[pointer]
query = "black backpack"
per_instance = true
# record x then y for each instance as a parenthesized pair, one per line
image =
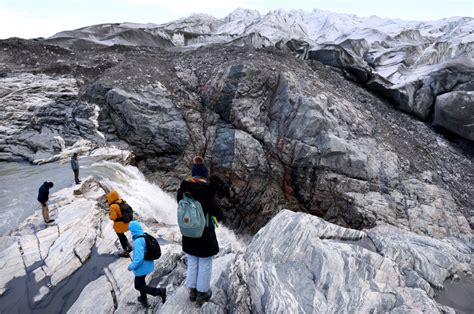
(152, 247)
(126, 212)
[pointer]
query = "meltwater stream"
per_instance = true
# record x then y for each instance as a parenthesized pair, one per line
(19, 184)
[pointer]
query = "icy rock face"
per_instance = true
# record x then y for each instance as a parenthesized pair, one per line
(41, 115)
(454, 112)
(113, 34)
(302, 264)
(148, 118)
(408, 62)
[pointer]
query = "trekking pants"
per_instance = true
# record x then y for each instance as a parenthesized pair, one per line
(124, 242)
(76, 175)
(141, 286)
(45, 211)
(199, 273)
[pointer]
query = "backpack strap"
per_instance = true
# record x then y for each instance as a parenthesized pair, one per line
(116, 203)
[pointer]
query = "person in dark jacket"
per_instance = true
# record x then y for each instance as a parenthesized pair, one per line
(142, 267)
(75, 168)
(43, 197)
(200, 250)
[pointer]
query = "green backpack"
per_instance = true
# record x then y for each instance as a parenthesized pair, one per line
(191, 219)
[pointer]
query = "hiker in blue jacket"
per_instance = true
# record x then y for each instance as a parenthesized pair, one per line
(142, 267)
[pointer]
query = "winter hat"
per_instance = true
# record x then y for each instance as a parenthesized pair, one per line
(135, 228)
(199, 169)
(198, 160)
(113, 196)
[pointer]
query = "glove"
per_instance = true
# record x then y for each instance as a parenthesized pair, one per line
(130, 267)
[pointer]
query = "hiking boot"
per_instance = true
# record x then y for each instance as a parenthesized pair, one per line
(143, 302)
(162, 294)
(203, 297)
(49, 221)
(193, 294)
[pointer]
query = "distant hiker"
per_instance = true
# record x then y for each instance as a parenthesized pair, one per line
(75, 168)
(141, 266)
(121, 213)
(199, 245)
(43, 197)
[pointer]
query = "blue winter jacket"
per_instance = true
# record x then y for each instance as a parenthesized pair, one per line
(139, 265)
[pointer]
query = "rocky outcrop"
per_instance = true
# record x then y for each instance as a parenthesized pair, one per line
(300, 263)
(454, 111)
(353, 67)
(41, 116)
(148, 119)
(417, 96)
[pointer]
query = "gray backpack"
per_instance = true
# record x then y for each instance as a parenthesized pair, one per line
(191, 219)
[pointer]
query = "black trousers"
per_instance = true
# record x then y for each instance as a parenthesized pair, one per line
(124, 242)
(141, 286)
(76, 175)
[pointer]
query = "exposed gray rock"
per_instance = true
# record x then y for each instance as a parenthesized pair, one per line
(455, 112)
(353, 66)
(418, 96)
(12, 265)
(40, 115)
(149, 120)
(302, 264)
(431, 259)
(85, 303)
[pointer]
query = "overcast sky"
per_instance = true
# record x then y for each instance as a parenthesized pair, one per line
(43, 18)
